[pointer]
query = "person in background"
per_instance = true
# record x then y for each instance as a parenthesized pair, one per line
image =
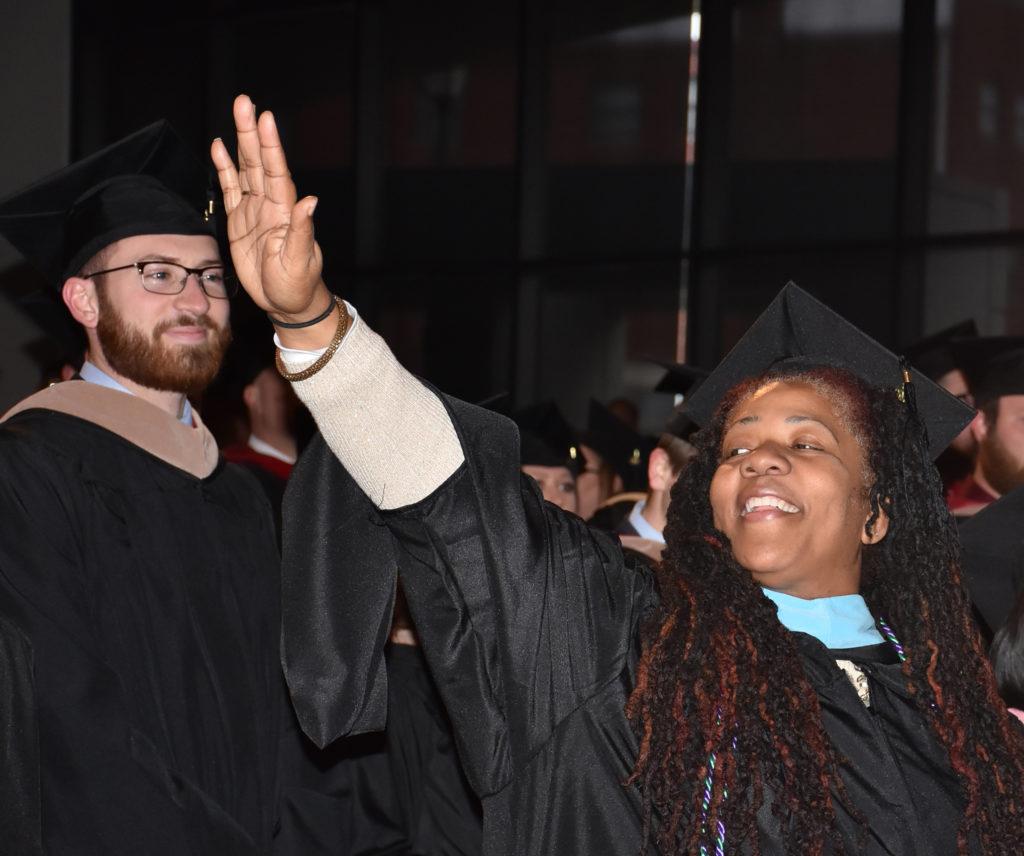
(266, 411)
(623, 452)
(625, 411)
(622, 513)
(934, 357)
(643, 528)
(992, 542)
(1007, 655)
(994, 367)
(550, 454)
(596, 480)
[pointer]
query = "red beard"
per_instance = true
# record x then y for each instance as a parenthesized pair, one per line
(150, 362)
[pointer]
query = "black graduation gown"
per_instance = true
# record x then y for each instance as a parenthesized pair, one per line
(438, 811)
(393, 793)
(147, 602)
(20, 821)
(993, 556)
(529, 620)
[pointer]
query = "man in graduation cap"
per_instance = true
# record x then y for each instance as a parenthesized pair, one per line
(992, 500)
(550, 454)
(138, 572)
(622, 453)
(260, 414)
(800, 674)
(934, 357)
(994, 366)
(640, 520)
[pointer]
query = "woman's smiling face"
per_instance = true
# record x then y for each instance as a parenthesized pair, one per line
(790, 490)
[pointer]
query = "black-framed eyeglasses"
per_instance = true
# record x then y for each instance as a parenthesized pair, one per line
(170, 278)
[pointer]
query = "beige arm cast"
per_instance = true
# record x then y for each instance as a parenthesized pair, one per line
(389, 431)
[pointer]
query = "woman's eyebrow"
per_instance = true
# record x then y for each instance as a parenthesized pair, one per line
(796, 420)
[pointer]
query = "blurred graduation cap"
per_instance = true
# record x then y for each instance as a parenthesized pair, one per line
(993, 365)
(624, 449)
(680, 378)
(546, 439)
(680, 425)
(933, 355)
(800, 330)
(149, 183)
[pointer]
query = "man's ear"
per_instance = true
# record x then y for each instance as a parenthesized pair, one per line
(979, 427)
(877, 530)
(251, 396)
(80, 298)
(659, 470)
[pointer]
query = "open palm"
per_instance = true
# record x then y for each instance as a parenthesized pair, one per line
(273, 248)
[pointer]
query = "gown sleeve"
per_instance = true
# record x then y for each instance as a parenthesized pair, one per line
(524, 612)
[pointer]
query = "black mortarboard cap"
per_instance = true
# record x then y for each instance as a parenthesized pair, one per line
(798, 328)
(680, 425)
(546, 439)
(623, 449)
(680, 378)
(149, 183)
(993, 365)
(933, 355)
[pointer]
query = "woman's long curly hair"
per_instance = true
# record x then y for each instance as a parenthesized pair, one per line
(716, 662)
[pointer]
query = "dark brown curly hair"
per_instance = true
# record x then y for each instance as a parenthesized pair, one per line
(716, 662)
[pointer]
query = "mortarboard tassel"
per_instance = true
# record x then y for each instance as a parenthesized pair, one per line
(909, 398)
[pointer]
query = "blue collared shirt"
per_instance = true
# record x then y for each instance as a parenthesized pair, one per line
(640, 524)
(94, 374)
(843, 621)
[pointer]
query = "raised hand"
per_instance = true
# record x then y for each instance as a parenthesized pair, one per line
(273, 248)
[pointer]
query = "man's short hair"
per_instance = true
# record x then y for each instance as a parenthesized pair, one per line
(98, 261)
(990, 411)
(679, 452)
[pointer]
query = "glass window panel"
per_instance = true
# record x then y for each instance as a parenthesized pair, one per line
(733, 292)
(983, 283)
(314, 105)
(448, 129)
(809, 125)
(977, 181)
(454, 330)
(597, 330)
(616, 114)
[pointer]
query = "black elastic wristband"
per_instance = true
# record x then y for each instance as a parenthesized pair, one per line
(298, 325)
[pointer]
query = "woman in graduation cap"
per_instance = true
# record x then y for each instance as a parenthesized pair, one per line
(801, 675)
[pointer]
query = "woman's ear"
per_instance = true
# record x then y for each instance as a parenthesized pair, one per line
(874, 531)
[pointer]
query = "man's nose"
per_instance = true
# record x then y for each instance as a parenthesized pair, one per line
(192, 297)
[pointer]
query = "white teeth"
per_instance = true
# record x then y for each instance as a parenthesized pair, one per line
(756, 502)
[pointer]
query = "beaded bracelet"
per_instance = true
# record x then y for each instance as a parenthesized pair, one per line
(344, 321)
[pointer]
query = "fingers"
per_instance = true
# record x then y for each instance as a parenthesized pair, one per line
(249, 163)
(227, 175)
(278, 184)
(299, 245)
